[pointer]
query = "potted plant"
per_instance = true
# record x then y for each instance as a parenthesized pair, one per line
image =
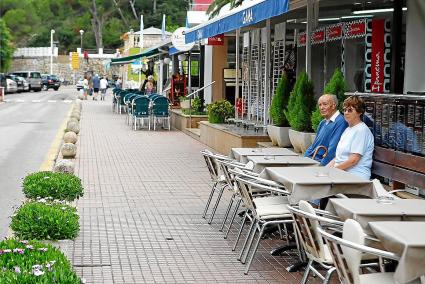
(279, 130)
(300, 107)
(184, 102)
(219, 111)
(336, 86)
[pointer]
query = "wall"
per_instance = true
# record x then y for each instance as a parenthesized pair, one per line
(208, 61)
(219, 57)
(415, 42)
(61, 66)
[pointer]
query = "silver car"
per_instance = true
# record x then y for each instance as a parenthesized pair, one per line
(32, 77)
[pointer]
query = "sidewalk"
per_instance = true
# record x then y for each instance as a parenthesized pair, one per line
(140, 216)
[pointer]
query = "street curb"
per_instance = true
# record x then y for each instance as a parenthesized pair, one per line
(51, 156)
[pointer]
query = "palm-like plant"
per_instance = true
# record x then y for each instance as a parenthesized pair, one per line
(215, 7)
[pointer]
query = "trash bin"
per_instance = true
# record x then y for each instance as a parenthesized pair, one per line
(1, 94)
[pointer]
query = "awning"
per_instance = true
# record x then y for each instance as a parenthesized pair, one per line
(242, 16)
(145, 53)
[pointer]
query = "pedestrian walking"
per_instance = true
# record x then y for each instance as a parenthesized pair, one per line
(103, 87)
(96, 86)
(85, 86)
(118, 83)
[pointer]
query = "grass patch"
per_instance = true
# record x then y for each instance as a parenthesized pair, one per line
(45, 221)
(193, 112)
(34, 262)
(59, 186)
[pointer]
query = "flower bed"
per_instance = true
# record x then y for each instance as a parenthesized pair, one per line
(51, 184)
(34, 262)
(45, 221)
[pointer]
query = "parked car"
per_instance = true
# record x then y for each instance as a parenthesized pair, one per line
(33, 78)
(79, 84)
(11, 86)
(26, 85)
(19, 82)
(50, 82)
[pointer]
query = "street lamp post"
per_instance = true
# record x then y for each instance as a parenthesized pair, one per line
(81, 40)
(52, 31)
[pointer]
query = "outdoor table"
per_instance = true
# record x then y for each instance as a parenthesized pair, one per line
(369, 210)
(406, 240)
(261, 162)
(240, 154)
(311, 183)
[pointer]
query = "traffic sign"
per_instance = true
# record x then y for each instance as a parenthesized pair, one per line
(75, 60)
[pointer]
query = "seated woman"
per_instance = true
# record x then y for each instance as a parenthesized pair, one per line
(355, 148)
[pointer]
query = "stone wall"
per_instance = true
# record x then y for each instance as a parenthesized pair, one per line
(61, 66)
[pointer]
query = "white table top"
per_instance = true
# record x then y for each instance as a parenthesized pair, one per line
(260, 162)
(240, 154)
(309, 183)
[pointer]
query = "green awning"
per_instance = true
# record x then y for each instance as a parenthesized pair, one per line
(131, 58)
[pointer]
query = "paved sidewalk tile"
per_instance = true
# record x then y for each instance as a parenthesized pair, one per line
(140, 216)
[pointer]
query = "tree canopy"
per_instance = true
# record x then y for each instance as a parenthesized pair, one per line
(6, 47)
(103, 21)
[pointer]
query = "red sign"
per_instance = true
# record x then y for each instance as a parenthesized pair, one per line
(355, 29)
(216, 40)
(377, 60)
(302, 39)
(334, 32)
(318, 36)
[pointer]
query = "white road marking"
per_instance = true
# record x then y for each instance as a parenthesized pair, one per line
(67, 101)
(20, 101)
(36, 101)
(51, 101)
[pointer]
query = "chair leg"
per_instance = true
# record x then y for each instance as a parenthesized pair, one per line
(135, 123)
(216, 204)
(227, 213)
(248, 265)
(329, 275)
(248, 238)
(209, 200)
(240, 230)
(307, 271)
(233, 217)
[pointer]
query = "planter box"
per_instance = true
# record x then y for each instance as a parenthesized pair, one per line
(181, 121)
(279, 135)
(222, 139)
(185, 104)
(300, 140)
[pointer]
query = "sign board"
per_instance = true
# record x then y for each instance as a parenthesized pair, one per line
(378, 54)
(318, 36)
(355, 29)
(334, 32)
(216, 40)
(178, 40)
(302, 39)
(75, 61)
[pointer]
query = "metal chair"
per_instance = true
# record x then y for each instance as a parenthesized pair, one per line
(347, 254)
(160, 110)
(141, 111)
(261, 214)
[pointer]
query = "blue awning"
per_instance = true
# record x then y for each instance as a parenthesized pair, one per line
(239, 18)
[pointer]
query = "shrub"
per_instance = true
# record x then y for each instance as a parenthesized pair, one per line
(34, 262)
(45, 221)
(219, 111)
(60, 186)
(280, 102)
(336, 86)
(301, 104)
(197, 105)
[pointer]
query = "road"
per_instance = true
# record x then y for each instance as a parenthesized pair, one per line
(28, 125)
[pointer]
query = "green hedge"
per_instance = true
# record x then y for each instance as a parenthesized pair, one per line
(59, 186)
(45, 221)
(33, 262)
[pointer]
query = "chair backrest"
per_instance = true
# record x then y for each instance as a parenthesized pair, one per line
(380, 190)
(160, 100)
(347, 259)
(306, 224)
(141, 105)
(160, 106)
(244, 191)
(212, 165)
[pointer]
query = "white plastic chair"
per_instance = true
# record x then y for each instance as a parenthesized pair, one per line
(347, 253)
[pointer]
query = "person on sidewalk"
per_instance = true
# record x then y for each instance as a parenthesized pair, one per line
(86, 56)
(85, 87)
(103, 86)
(329, 131)
(96, 86)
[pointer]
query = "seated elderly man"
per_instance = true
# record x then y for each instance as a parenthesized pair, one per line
(329, 131)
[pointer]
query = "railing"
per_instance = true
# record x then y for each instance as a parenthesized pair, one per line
(34, 52)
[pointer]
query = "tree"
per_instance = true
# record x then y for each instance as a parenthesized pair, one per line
(215, 7)
(6, 50)
(280, 103)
